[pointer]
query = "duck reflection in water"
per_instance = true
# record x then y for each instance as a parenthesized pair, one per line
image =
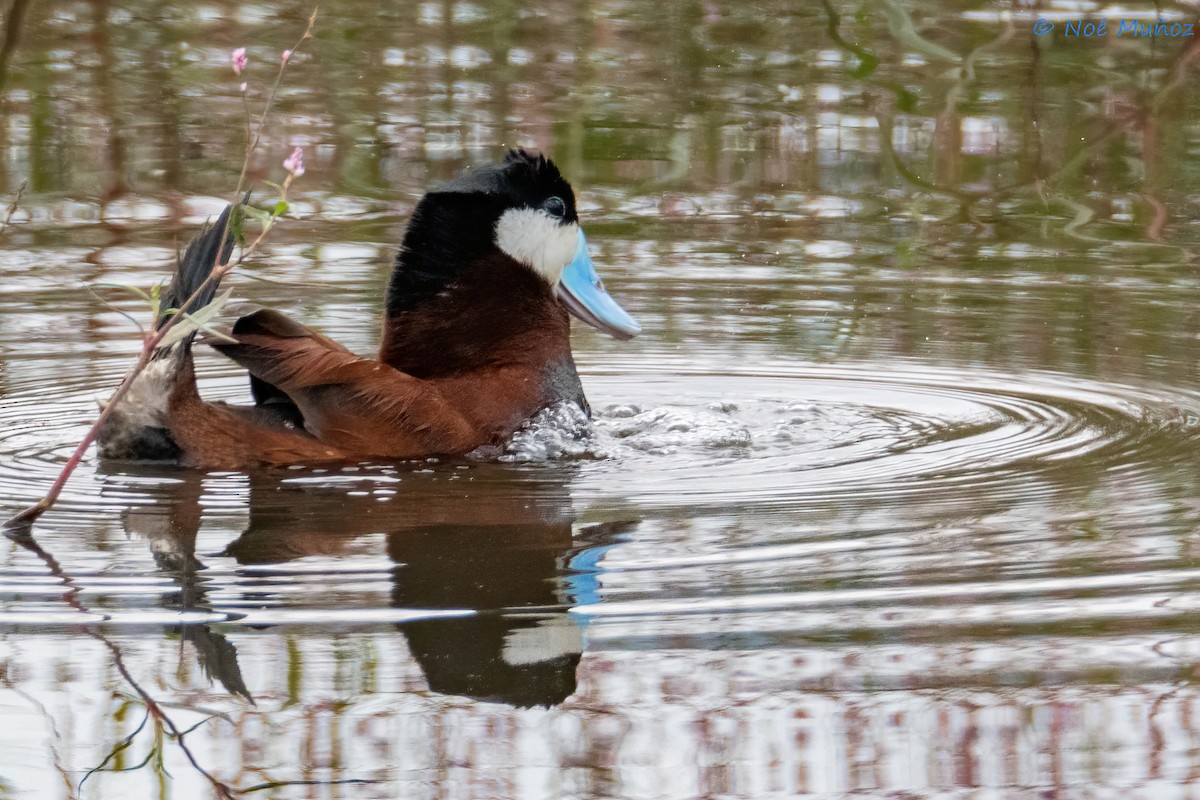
(502, 549)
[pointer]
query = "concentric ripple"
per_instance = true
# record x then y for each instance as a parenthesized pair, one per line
(780, 436)
(804, 435)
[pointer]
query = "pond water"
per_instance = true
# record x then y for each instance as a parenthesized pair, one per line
(896, 495)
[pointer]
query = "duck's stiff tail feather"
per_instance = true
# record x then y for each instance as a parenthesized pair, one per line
(139, 429)
(199, 259)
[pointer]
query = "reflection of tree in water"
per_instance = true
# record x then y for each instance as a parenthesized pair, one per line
(724, 97)
(815, 126)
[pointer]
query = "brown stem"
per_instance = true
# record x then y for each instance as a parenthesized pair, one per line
(28, 516)
(251, 147)
(21, 521)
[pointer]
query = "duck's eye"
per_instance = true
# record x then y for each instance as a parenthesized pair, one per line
(555, 207)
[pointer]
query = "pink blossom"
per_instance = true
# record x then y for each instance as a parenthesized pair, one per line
(238, 59)
(286, 55)
(295, 162)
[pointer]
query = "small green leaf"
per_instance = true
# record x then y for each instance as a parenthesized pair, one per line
(281, 208)
(155, 300)
(200, 320)
(274, 186)
(258, 215)
(179, 332)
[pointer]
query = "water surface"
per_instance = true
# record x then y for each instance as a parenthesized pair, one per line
(895, 496)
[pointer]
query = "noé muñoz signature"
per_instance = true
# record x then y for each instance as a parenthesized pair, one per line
(1123, 27)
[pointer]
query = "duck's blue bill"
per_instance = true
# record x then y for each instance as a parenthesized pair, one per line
(583, 294)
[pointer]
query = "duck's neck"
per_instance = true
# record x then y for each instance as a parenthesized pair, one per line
(492, 313)
(494, 340)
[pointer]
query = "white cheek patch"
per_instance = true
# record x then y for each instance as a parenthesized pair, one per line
(537, 240)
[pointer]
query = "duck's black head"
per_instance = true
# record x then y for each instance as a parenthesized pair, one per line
(522, 207)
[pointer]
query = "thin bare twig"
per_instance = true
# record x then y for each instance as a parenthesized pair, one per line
(223, 789)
